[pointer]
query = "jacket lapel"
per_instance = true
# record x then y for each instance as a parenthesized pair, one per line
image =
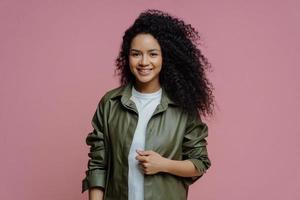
(128, 103)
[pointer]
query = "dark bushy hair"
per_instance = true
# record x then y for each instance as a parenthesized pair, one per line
(183, 72)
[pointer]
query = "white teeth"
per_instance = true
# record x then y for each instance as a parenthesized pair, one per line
(144, 71)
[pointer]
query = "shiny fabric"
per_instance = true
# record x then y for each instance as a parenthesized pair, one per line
(170, 132)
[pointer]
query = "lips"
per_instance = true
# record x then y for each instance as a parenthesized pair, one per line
(144, 72)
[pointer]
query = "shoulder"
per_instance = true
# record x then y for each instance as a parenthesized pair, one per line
(111, 94)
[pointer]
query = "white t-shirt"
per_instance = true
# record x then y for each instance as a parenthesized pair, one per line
(146, 103)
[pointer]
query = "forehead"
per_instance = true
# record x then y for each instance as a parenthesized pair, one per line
(144, 42)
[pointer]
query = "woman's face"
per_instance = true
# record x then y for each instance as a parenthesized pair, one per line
(145, 61)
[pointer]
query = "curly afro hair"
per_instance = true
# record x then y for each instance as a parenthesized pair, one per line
(183, 73)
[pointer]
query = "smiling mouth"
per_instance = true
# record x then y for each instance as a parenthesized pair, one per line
(144, 72)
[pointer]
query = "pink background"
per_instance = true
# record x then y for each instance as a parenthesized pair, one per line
(57, 60)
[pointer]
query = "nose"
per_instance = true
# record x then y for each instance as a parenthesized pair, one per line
(144, 60)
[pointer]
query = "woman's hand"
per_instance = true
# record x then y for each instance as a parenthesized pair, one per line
(151, 162)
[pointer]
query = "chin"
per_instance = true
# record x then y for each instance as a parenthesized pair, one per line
(143, 80)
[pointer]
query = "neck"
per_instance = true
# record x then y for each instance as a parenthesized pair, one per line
(146, 88)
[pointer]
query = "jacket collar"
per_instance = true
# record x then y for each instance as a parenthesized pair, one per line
(125, 94)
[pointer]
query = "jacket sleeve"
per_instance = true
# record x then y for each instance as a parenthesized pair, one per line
(97, 163)
(194, 146)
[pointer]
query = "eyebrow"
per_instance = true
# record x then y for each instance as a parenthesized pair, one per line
(148, 50)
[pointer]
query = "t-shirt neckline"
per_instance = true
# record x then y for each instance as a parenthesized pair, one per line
(146, 95)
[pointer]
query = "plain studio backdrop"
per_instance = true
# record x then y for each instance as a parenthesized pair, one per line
(57, 60)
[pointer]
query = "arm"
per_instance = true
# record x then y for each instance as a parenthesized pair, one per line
(194, 161)
(97, 164)
(183, 168)
(95, 194)
(152, 163)
(194, 147)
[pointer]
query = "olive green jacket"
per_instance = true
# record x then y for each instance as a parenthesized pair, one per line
(170, 132)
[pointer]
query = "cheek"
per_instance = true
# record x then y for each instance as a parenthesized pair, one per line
(133, 62)
(158, 63)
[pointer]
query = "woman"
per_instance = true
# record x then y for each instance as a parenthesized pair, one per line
(149, 140)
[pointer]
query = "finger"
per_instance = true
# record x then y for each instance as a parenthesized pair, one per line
(141, 158)
(144, 153)
(147, 171)
(145, 165)
(141, 166)
(141, 152)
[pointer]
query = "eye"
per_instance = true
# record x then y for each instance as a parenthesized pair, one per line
(153, 54)
(134, 54)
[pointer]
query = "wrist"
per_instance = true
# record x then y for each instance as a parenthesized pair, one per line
(166, 165)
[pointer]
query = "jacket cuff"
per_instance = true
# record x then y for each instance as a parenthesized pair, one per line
(94, 179)
(199, 165)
